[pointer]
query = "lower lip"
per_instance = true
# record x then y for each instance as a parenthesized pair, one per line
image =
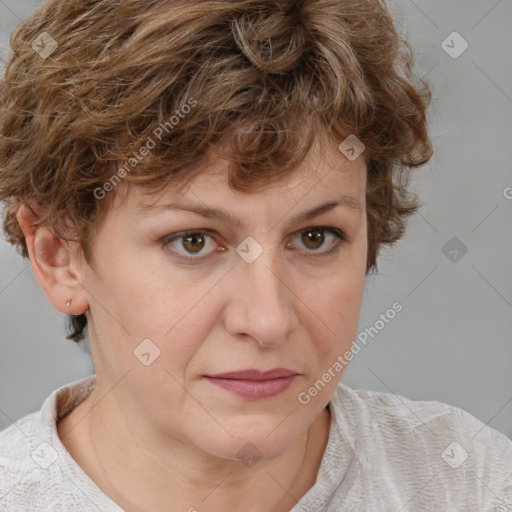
(254, 388)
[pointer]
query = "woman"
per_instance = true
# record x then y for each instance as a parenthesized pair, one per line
(204, 187)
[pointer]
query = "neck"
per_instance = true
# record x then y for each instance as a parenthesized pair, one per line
(134, 467)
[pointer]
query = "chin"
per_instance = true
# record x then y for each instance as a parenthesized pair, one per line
(250, 444)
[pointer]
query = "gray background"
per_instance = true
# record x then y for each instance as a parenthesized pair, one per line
(452, 340)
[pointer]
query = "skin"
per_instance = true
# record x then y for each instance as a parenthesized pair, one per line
(162, 437)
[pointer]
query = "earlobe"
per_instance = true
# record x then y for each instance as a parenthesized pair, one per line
(53, 265)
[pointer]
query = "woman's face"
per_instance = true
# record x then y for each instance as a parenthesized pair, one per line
(273, 291)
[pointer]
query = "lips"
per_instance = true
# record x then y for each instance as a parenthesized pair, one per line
(255, 384)
(275, 373)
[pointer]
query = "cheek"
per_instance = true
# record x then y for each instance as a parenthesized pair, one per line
(336, 304)
(137, 302)
(176, 314)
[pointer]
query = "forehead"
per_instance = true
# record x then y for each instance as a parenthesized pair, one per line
(325, 173)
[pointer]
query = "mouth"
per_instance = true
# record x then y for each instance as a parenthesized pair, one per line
(255, 384)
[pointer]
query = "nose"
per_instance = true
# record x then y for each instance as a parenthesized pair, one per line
(263, 301)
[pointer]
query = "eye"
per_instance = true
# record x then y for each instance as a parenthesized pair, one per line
(193, 242)
(314, 238)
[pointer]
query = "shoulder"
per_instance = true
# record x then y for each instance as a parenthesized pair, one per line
(392, 414)
(427, 441)
(36, 471)
(26, 478)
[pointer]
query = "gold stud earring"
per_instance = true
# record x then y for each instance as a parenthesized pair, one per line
(68, 302)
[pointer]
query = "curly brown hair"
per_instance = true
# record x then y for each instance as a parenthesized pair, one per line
(139, 91)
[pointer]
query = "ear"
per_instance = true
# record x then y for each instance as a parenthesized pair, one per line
(55, 265)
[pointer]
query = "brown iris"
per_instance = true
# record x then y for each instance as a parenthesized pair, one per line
(193, 243)
(316, 236)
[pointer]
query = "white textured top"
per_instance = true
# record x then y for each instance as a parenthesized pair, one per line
(384, 453)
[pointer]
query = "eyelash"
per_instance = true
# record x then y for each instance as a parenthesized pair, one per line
(340, 235)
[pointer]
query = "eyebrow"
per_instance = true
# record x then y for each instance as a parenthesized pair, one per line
(227, 217)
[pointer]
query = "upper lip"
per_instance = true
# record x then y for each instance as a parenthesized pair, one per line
(275, 373)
